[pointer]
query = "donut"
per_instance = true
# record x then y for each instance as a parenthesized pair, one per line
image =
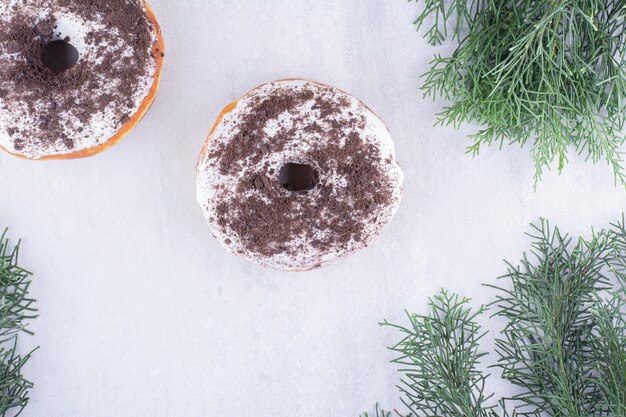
(297, 175)
(76, 76)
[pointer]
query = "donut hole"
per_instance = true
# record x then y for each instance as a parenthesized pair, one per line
(59, 56)
(298, 177)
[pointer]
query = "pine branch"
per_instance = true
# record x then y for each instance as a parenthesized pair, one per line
(545, 348)
(439, 356)
(607, 353)
(609, 342)
(550, 74)
(563, 345)
(16, 308)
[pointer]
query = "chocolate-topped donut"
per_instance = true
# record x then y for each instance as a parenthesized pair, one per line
(75, 75)
(297, 175)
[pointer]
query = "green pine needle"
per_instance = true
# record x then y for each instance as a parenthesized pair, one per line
(378, 412)
(563, 345)
(438, 357)
(16, 308)
(550, 74)
(546, 348)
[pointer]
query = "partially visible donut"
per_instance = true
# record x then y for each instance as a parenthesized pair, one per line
(76, 76)
(297, 175)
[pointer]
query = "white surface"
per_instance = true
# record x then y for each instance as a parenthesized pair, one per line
(142, 312)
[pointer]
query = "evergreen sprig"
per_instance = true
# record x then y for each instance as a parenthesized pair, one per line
(546, 347)
(563, 345)
(548, 73)
(16, 308)
(609, 345)
(439, 356)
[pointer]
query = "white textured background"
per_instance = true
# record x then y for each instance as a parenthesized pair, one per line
(143, 314)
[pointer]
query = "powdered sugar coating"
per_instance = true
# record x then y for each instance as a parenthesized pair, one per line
(216, 186)
(21, 128)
